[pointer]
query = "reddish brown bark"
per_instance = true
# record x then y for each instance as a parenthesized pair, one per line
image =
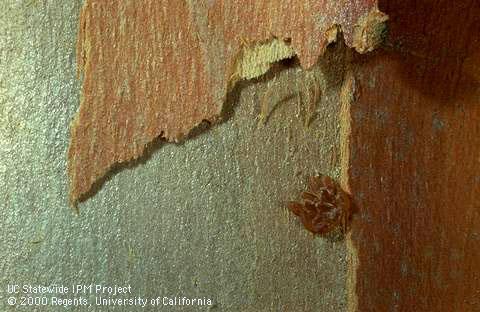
(415, 166)
(159, 68)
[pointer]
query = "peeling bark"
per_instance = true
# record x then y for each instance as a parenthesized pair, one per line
(159, 68)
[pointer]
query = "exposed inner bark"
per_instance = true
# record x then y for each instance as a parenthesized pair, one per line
(157, 69)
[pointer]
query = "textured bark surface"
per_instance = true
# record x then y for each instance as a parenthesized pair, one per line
(206, 218)
(414, 161)
(157, 69)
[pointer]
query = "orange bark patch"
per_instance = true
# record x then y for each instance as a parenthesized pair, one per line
(159, 68)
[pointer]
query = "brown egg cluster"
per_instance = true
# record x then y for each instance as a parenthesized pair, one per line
(324, 207)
